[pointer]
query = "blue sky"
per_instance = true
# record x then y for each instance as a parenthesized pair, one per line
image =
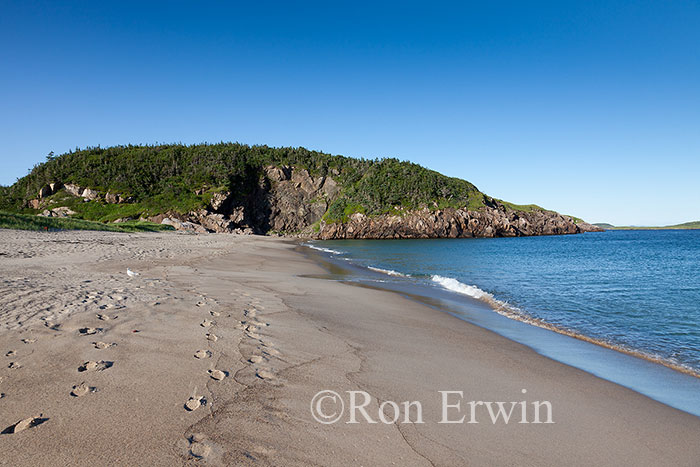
(589, 108)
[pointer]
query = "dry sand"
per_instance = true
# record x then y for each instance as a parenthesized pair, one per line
(213, 354)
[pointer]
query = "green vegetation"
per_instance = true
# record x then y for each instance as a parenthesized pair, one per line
(29, 222)
(386, 185)
(522, 207)
(686, 225)
(179, 178)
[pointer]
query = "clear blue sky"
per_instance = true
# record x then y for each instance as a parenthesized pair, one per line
(589, 108)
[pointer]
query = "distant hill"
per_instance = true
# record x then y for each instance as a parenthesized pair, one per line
(686, 225)
(231, 187)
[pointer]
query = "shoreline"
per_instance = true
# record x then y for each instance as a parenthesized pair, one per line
(283, 335)
(422, 294)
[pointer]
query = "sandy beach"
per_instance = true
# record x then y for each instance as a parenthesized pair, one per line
(213, 354)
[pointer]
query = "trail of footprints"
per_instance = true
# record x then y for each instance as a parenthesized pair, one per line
(79, 390)
(198, 446)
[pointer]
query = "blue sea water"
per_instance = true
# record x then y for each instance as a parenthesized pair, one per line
(636, 291)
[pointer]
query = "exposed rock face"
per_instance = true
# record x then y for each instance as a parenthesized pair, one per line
(183, 225)
(113, 198)
(286, 200)
(290, 200)
(220, 201)
(48, 190)
(89, 194)
(74, 190)
(495, 221)
(586, 227)
(85, 193)
(44, 192)
(63, 211)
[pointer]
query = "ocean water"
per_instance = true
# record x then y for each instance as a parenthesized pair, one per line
(637, 292)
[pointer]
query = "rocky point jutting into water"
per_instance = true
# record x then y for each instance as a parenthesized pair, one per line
(237, 188)
(291, 201)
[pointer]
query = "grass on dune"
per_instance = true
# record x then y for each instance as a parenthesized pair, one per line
(29, 222)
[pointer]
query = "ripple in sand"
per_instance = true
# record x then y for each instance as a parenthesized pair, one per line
(253, 335)
(271, 352)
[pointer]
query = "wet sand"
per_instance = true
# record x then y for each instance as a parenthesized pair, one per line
(214, 352)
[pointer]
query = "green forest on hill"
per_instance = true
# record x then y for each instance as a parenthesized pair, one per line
(181, 178)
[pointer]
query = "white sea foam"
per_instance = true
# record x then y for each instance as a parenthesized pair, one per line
(388, 272)
(464, 289)
(325, 250)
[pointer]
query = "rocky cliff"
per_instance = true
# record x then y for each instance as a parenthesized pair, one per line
(291, 201)
(455, 223)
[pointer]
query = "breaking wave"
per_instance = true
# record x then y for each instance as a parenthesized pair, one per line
(388, 272)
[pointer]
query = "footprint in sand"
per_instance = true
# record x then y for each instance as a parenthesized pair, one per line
(11, 353)
(102, 345)
(212, 337)
(197, 448)
(89, 331)
(206, 323)
(217, 374)
(105, 317)
(24, 424)
(255, 359)
(81, 389)
(264, 374)
(214, 313)
(202, 354)
(14, 365)
(249, 313)
(193, 403)
(28, 340)
(95, 366)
